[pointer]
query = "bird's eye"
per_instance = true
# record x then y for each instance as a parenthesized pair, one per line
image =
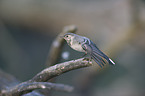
(66, 36)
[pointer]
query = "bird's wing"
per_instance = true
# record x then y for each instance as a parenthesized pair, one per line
(90, 50)
(95, 53)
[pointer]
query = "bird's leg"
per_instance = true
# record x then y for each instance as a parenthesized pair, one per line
(88, 58)
(84, 55)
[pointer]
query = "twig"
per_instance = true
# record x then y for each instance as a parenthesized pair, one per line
(26, 87)
(58, 44)
(58, 69)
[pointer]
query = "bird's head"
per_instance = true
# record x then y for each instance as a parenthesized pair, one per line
(68, 36)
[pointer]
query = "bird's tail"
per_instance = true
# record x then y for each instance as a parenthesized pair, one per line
(99, 57)
(98, 60)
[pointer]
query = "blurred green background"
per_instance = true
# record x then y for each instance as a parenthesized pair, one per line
(28, 27)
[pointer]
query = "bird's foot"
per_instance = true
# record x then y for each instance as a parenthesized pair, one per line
(88, 59)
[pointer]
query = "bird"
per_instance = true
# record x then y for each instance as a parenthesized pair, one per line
(84, 44)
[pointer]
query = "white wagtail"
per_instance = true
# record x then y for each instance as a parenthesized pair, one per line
(84, 44)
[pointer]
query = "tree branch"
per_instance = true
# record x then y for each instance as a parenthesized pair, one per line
(38, 81)
(61, 68)
(26, 87)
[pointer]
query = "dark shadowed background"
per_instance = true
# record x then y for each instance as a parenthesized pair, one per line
(28, 27)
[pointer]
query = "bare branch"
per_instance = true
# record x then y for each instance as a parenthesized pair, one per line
(57, 45)
(58, 69)
(26, 87)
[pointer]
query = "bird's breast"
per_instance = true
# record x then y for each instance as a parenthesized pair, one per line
(77, 47)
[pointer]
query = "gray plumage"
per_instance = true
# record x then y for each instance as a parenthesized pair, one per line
(84, 44)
